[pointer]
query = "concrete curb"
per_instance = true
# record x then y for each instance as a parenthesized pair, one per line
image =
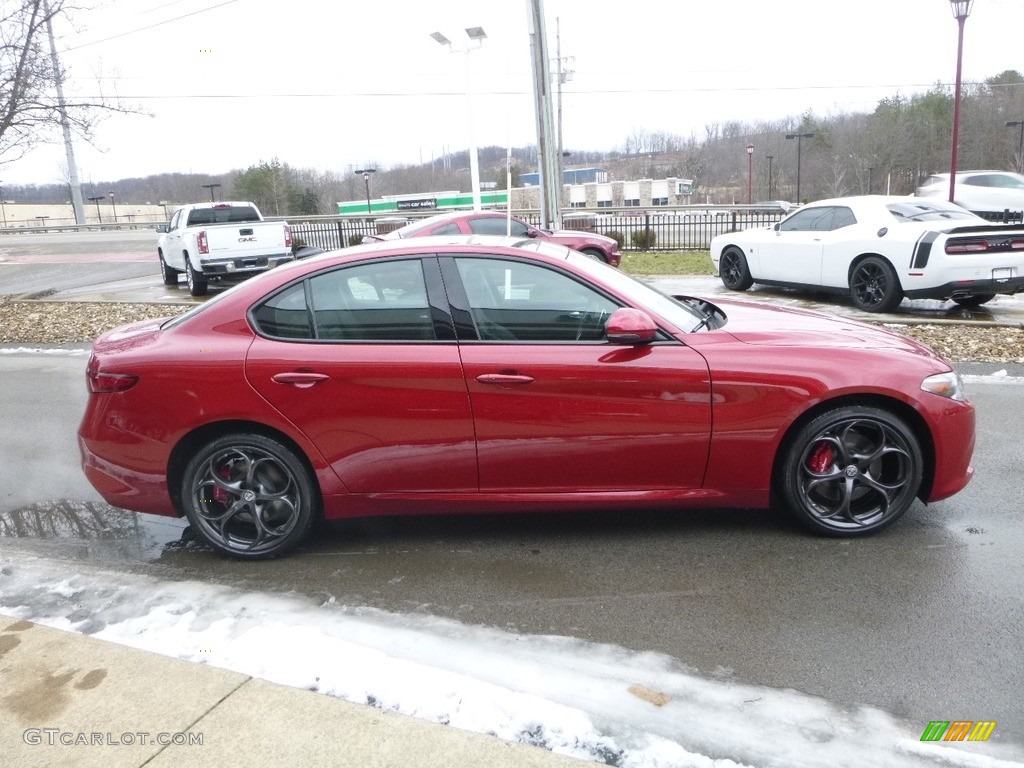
(70, 699)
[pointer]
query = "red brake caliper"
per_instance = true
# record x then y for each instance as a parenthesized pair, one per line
(219, 494)
(821, 458)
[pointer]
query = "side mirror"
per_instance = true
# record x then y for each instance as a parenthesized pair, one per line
(776, 227)
(630, 327)
(531, 232)
(163, 228)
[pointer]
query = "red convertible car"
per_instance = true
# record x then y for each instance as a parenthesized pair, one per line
(444, 375)
(496, 223)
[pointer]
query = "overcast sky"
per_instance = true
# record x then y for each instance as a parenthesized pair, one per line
(332, 85)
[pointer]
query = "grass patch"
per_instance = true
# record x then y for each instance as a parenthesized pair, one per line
(667, 263)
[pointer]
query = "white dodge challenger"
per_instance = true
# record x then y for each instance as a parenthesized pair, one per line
(878, 249)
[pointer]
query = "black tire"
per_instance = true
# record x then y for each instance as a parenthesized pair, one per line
(249, 497)
(851, 471)
(732, 266)
(197, 284)
(168, 274)
(595, 254)
(874, 286)
(970, 302)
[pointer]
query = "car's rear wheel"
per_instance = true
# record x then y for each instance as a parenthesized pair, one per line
(851, 471)
(196, 281)
(168, 274)
(874, 286)
(975, 301)
(732, 266)
(249, 496)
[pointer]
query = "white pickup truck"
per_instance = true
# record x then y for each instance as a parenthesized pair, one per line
(220, 241)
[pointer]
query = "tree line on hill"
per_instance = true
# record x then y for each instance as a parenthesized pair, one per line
(890, 149)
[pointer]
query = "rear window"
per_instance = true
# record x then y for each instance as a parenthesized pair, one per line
(235, 214)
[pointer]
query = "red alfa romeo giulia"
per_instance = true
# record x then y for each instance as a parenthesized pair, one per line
(443, 375)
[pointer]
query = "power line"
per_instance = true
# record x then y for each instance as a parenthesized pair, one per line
(150, 26)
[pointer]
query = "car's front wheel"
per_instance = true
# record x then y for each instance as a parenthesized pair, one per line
(851, 471)
(168, 274)
(249, 496)
(874, 286)
(732, 266)
(594, 253)
(970, 302)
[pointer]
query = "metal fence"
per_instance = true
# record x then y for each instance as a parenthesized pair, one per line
(680, 229)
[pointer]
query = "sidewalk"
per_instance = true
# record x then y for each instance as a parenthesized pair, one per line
(69, 699)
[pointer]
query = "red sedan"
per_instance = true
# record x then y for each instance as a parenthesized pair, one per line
(496, 223)
(462, 374)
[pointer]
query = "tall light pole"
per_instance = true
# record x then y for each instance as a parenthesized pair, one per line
(770, 158)
(365, 173)
(96, 200)
(113, 207)
(549, 162)
(2, 208)
(750, 174)
(476, 37)
(961, 10)
(799, 138)
(1020, 146)
(211, 187)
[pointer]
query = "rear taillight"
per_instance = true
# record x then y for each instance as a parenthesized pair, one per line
(287, 236)
(966, 246)
(109, 382)
(1017, 245)
(202, 243)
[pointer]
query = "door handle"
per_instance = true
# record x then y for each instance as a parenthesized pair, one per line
(299, 379)
(504, 379)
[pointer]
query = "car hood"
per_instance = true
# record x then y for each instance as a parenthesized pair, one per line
(567, 236)
(772, 326)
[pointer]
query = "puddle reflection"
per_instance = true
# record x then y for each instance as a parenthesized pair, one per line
(130, 535)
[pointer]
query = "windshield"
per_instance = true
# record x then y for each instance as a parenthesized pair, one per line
(932, 210)
(683, 316)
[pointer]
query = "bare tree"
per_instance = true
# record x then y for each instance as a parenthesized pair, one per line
(29, 108)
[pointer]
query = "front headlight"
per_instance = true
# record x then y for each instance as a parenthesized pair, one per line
(946, 385)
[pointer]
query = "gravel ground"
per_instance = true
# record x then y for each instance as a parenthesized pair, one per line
(61, 322)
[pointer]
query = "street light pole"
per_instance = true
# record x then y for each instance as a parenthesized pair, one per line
(113, 208)
(96, 200)
(365, 173)
(770, 158)
(961, 10)
(1020, 146)
(211, 187)
(750, 174)
(799, 137)
(2, 208)
(476, 36)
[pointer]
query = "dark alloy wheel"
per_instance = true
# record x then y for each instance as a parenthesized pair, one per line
(732, 266)
(596, 254)
(969, 302)
(874, 286)
(169, 274)
(196, 281)
(851, 471)
(249, 496)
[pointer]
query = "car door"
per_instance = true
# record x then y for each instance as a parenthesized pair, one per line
(363, 360)
(173, 240)
(793, 252)
(558, 409)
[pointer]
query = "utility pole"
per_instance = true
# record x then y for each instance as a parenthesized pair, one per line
(564, 76)
(76, 188)
(548, 161)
